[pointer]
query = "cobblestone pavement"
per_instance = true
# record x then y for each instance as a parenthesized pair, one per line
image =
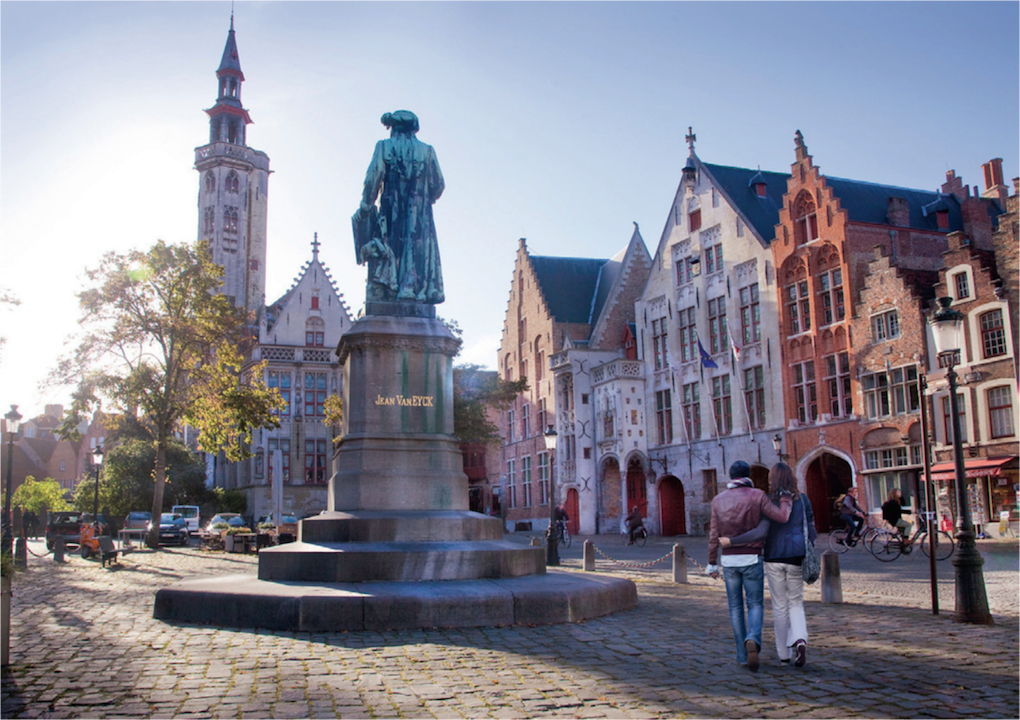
(84, 644)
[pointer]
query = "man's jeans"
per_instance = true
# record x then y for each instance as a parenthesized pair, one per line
(749, 581)
(853, 522)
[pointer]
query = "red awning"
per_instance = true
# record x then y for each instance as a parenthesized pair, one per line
(974, 468)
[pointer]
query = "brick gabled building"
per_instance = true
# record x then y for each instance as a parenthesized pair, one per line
(887, 358)
(564, 316)
(828, 231)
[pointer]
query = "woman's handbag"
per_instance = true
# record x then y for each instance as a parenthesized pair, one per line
(811, 567)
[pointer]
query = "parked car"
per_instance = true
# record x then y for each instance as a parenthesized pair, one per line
(137, 520)
(172, 530)
(191, 516)
(285, 519)
(65, 524)
(232, 519)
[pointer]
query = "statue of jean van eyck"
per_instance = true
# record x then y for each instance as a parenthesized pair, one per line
(397, 239)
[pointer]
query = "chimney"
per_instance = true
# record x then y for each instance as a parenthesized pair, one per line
(897, 212)
(995, 188)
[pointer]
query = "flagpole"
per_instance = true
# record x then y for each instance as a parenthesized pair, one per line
(708, 362)
(735, 353)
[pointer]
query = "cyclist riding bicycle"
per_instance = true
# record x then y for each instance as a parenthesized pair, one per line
(892, 513)
(561, 519)
(635, 522)
(852, 514)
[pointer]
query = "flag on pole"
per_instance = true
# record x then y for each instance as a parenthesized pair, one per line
(736, 348)
(706, 359)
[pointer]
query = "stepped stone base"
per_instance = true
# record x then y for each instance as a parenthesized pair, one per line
(245, 601)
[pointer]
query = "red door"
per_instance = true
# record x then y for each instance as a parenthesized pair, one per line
(571, 506)
(671, 507)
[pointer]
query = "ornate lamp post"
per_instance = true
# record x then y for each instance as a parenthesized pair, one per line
(971, 601)
(552, 537)
(97, 462)
(13, 419)
(777, 444)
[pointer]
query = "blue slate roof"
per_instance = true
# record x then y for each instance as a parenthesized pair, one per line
(569, 285)
(869, 203)
(762, 213)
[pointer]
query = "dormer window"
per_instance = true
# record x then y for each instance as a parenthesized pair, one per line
(759, 189)
(942, 219)
(694, 219)
(962, 285)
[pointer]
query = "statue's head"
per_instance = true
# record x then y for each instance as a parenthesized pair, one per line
(403, 121)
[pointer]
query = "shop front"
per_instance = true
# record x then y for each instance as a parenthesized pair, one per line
(991, 492)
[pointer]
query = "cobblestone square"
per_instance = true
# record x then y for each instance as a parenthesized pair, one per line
(84, 644)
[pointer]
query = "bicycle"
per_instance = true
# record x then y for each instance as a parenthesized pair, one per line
(889, 545)
(837, 538)
(562, 534)
(640, 536)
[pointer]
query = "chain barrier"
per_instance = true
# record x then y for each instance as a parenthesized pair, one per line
(634, 565)
(667, 556)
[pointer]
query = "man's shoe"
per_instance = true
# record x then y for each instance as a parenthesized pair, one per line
(752, 655)
(800, 652)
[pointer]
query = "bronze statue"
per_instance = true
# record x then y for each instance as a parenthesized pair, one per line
(398, 239)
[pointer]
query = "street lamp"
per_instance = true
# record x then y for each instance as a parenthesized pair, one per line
(552, 544)
(777, 444)
(13, 419)
(97, 461)
(971, 601)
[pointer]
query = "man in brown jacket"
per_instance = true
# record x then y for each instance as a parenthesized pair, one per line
(734, 511)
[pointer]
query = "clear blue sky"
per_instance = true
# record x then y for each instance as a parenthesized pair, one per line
(559, 122)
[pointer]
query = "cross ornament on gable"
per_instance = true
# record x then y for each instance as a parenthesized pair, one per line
(690, 137)
(315, 246)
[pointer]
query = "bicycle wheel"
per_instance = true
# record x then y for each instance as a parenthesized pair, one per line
(886, 546)
(944, 545)
(641, 537)
(565, 538)
(836, 541)
(868, 535)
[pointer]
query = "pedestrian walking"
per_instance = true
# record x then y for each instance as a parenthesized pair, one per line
(735, 511)
(785, 548)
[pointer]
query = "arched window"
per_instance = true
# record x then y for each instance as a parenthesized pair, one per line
(232, 182)
(230, 220)
(210, 182)
(805, 220)
(315, 335)
(208, 218)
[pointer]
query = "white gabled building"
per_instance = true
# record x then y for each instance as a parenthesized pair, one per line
(712, 275)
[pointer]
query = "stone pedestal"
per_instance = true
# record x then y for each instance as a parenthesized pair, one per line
(397, 547)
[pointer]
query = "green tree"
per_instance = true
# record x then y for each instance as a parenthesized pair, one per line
(39, 496)
(126, 478)
(475, 392)
(160, 344)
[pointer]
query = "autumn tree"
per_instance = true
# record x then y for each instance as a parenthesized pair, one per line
(475, 392)
(161, 345)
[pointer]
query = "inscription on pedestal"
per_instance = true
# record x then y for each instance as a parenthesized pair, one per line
(404, 401)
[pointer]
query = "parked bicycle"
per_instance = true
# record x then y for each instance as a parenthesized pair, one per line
(889, 545)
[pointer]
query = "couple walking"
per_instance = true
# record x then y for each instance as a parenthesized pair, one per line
(745, 523)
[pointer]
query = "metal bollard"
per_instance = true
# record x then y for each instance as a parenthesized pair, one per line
(536, 542)
(832, 586)
(679, 564)
(21, 553)
(58, 550)
(589, 556)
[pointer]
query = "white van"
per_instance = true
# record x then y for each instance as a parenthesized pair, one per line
(190, 515)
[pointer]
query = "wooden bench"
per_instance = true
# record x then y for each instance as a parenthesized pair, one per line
(107, 550)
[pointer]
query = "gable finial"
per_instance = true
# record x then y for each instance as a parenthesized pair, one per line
(690, 137)
(315, 247)
(231, 15)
